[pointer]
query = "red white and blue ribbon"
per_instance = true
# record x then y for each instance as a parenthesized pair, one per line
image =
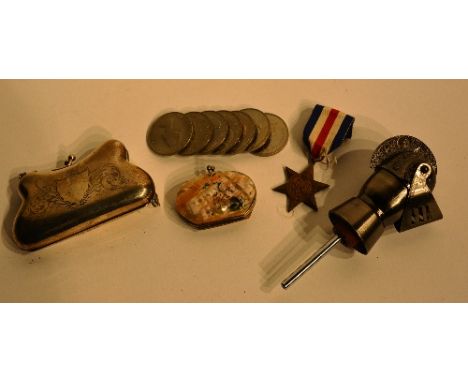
(326, 130)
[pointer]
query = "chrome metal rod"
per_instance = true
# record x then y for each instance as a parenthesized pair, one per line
(309, 263)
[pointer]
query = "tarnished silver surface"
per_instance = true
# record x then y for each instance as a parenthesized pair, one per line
(234, 133)
(217, 133)
(419, 184)
(402, 143)
(220, 131)
(399, 193)
(62, 202)
(202, 133)
(421, 207)
(384, 198)
(169, 134)
(249, 131)
(279, 135)
(263, 128)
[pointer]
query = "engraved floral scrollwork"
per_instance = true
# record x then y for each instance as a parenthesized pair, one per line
(107, 177)
(40, 203)
(75, 189)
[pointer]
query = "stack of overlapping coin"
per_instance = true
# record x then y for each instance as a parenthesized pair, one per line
(217, 133)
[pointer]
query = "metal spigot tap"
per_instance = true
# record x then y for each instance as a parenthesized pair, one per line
(399, 193)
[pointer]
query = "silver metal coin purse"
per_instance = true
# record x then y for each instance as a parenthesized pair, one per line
(62, 202)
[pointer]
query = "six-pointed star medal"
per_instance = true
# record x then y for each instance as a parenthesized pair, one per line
(301, 188)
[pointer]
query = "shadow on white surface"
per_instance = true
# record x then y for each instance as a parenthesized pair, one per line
(313, 229)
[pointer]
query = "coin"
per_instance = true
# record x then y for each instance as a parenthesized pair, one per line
(220, 131)
(263, 128)
(169, 134)
(249, 132)
(234, 133)
(202, 133)
(278, 137)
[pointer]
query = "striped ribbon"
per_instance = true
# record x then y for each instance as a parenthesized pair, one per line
(326, 130)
